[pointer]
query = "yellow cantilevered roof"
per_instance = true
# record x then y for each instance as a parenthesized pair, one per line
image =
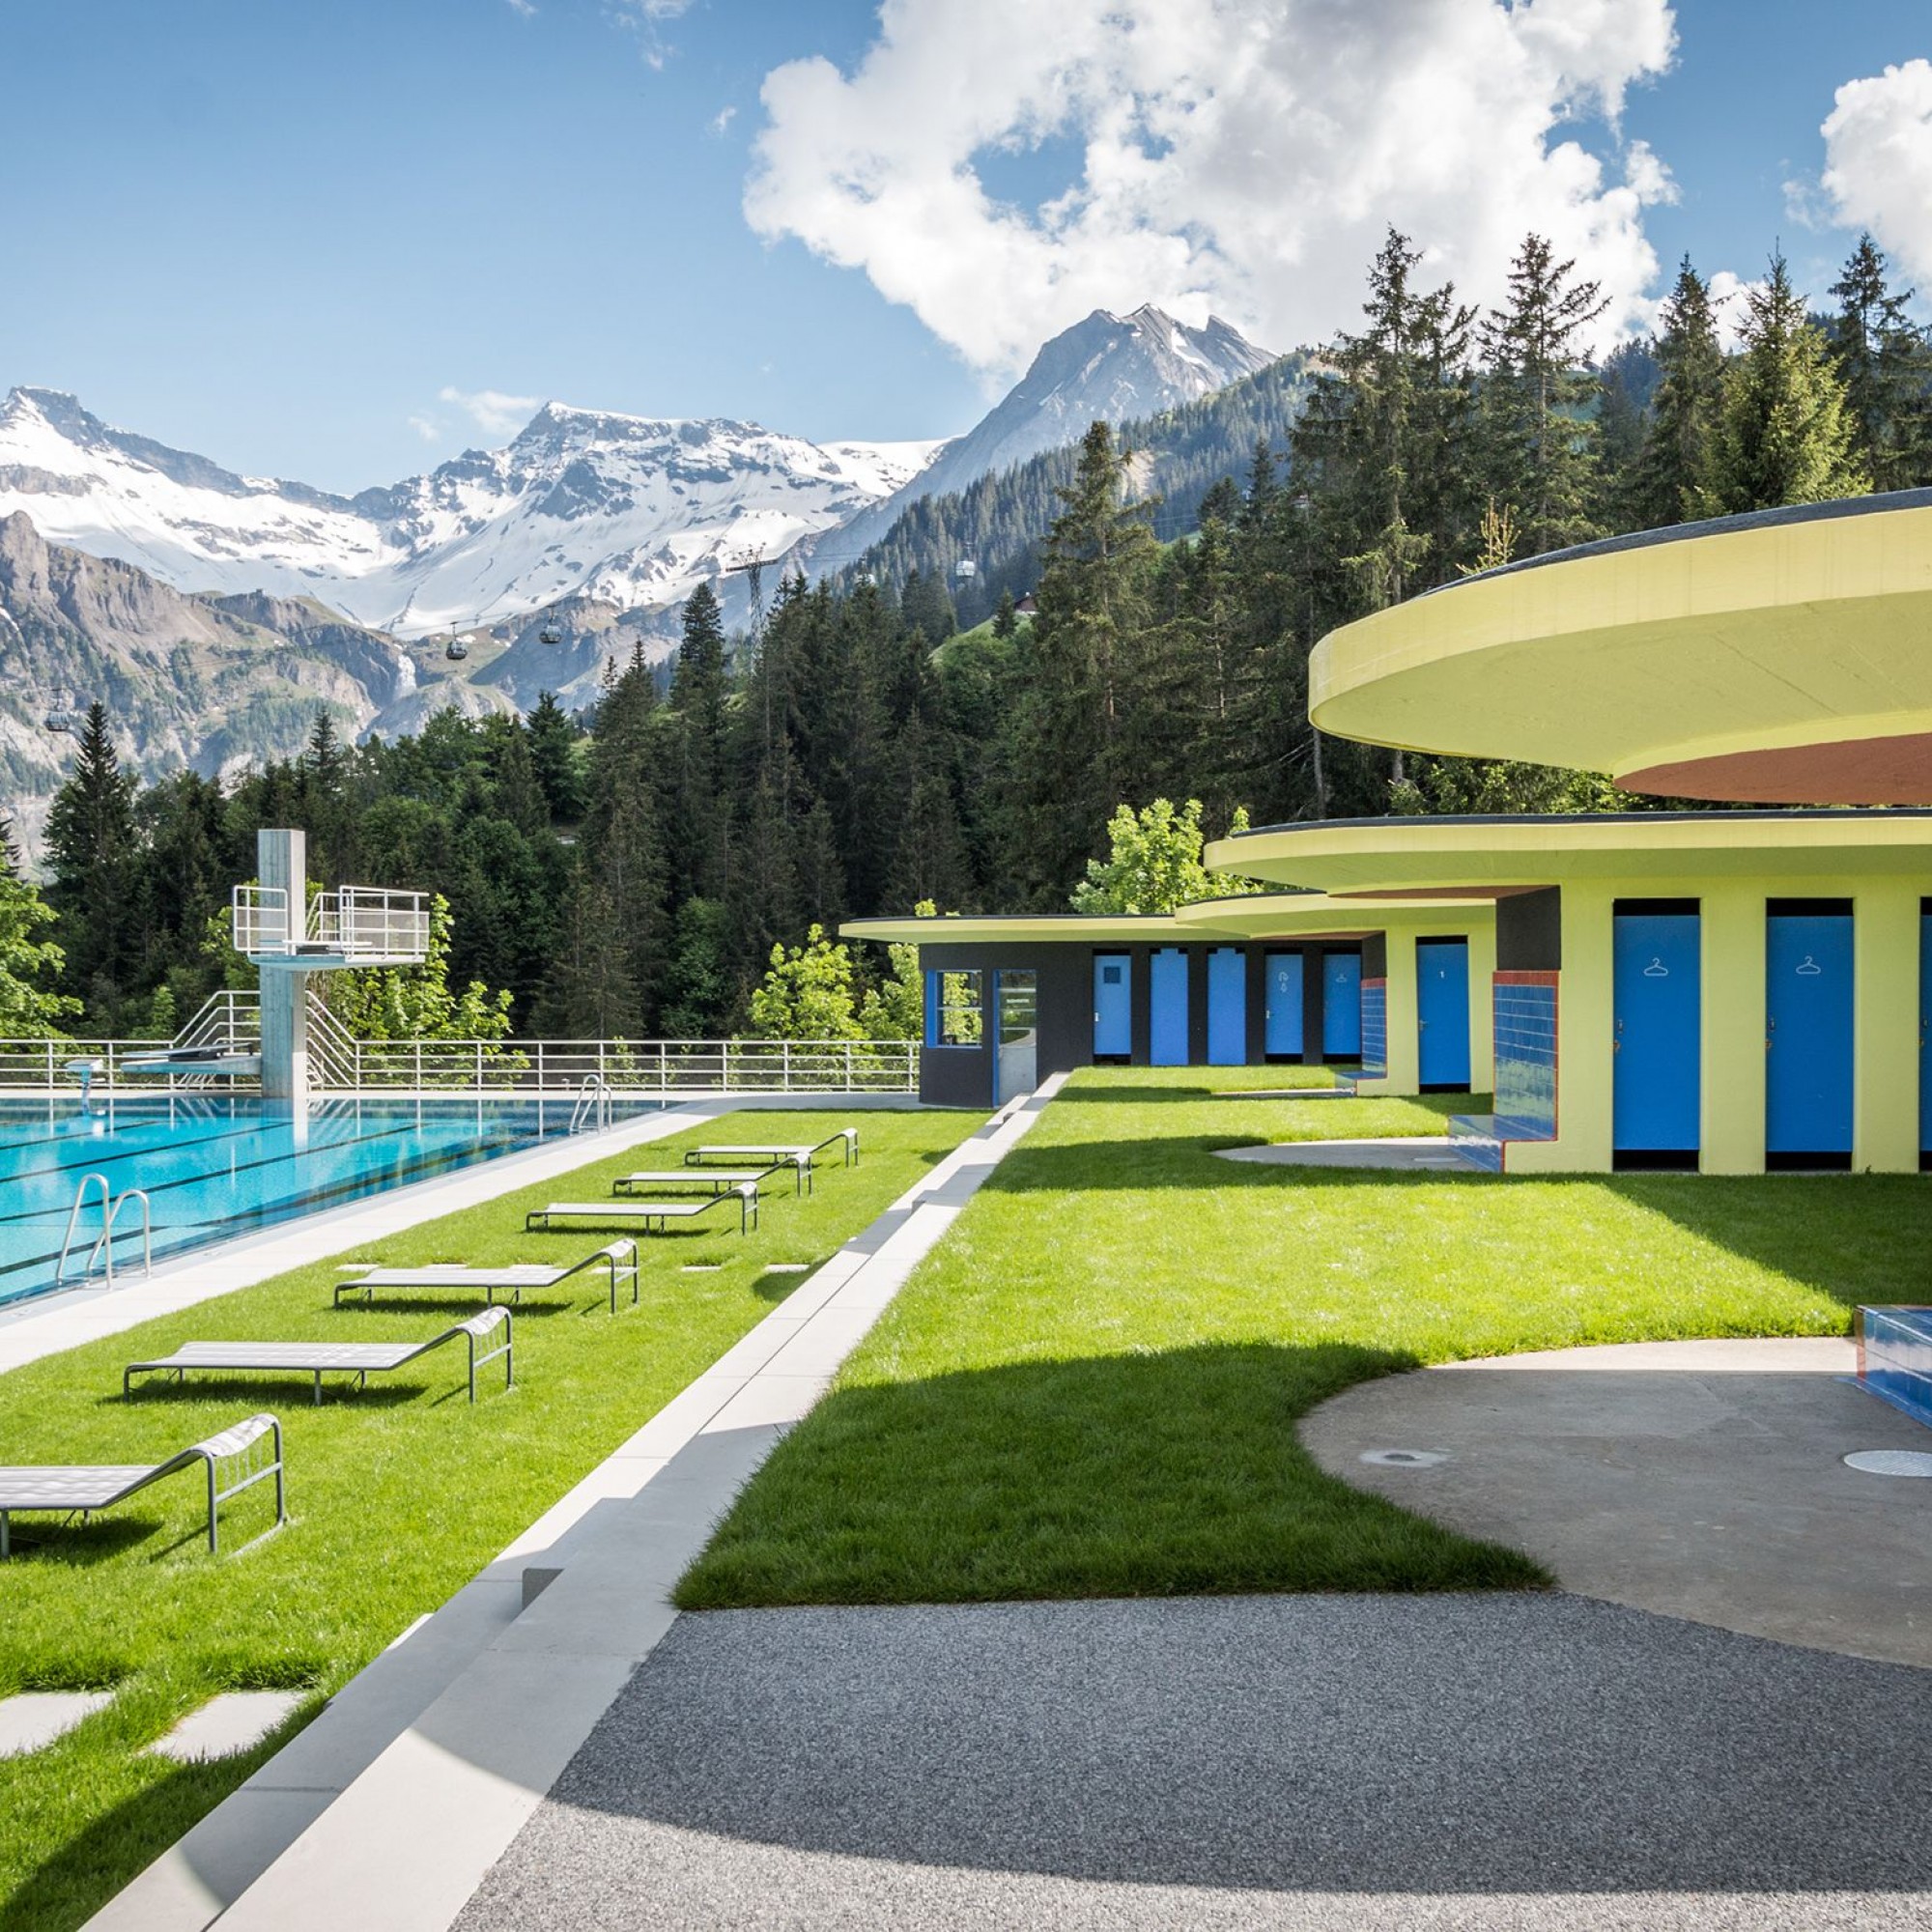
(1382, 859)
(1258, 916)
(1781, 658)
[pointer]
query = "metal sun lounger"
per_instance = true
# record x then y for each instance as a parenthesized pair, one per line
(619, 1259)
(776, 1154)
(360, 1359)
(720, 1180)
(662, 1212)
(65, 1489)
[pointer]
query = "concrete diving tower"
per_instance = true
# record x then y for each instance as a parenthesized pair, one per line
(287, 937)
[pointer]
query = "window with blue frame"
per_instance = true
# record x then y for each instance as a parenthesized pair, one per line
(955, 1009)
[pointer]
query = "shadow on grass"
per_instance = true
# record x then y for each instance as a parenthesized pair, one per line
(1177, 1161)
(291, 1391)
(1114, 1476)
(113, 1849)
(452, 1309)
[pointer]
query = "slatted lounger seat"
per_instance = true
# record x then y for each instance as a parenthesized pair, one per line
(65, 1489)
(660, 1213)
(360, 1359)
(620, 1259)
(774, 1154)
(720, 1180)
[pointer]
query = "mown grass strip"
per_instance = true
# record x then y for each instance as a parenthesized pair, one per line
(1091, 1386)
(399, 1493)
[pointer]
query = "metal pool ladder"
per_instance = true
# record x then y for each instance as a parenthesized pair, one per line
(110, 1212)
(593, 1102)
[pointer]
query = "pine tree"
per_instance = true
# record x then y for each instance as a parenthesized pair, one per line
(1673, 480)
(90, 857)
(1785, 435)
(1537, 399)
(1885, 361)
(556, 752)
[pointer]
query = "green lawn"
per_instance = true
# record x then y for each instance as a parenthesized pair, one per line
(1091, 1386)
(399, 1493)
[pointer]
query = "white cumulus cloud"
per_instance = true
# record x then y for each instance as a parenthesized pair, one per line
(1877, 160)
(491, 409)
(1240, 156)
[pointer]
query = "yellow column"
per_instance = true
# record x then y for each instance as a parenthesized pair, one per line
(1585, 1020)
(1884, 1079)
(1732, 1128)
(1404, 1063)
(1482, 1005)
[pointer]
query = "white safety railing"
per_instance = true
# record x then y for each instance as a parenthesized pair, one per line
(338, 1065)
(354, 923)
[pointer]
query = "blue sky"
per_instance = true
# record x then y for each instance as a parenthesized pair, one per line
(279, 234)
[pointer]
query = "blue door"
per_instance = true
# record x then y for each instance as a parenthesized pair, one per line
(1342, 1005)
(1113, 1006)
(1282, 1029)
(1226, 1006)
(1442, 1012)
(1807, 1062)
(1925, 1031)
(1657, 1084)
(1166, 1001)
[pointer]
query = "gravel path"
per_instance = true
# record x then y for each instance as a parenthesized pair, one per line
(1367, 1762)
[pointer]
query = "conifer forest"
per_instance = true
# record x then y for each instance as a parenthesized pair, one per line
(628, 872)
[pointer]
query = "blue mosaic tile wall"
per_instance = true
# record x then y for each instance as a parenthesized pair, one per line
(1895, 1358)
(1525, 1021)
(1375, 1026)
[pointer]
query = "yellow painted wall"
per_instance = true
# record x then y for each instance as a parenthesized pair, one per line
(1732, 1071)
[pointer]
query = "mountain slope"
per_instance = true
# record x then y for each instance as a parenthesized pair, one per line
(997, 522)
(1109, 368)
(582, 503)
(196, 681)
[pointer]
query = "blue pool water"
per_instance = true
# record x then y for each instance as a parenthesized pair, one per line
(212, 1168)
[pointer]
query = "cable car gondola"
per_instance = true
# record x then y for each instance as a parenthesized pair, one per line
(549, 635)
(456, 650)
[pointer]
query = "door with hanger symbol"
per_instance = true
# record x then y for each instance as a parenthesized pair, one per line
(1657, 1084)
(1809, 1022)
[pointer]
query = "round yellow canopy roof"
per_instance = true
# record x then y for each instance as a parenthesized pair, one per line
(1780, 658)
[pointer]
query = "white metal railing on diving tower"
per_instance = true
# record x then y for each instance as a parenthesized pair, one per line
(352, 926)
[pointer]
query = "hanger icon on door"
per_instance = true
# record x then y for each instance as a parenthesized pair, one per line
(1656, 970)
(1809, 968)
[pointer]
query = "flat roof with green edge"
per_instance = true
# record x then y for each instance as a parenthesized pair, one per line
(1355, 860)
(1254, 916)
(1783, 657)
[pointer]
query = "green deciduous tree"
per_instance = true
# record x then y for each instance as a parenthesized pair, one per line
(1154, 861)
(417, 1002)
(30, 960)
(808, 992)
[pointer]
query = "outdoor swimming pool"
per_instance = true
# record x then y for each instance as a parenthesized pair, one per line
(216, 1167)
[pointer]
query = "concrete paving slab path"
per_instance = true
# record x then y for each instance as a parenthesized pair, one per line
(1490, 1762)
(32, 1720)
(227, 1723)
(1700, 1478)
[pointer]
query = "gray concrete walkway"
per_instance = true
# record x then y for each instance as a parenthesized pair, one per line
(1697, 1479)
(1330, 1762)
(1396, 1150)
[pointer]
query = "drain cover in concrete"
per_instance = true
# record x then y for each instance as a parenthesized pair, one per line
(1891, 1462)
(226, 1724)
(35, 1719)
(1405, 1458)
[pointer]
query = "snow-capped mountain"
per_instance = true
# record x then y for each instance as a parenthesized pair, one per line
(1109, 368)
(582, 503)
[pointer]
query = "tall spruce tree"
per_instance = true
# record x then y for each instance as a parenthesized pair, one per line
(1673, 480)
(1885, 361)
(1538, 398)
(91, 859)
(1785, 433)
